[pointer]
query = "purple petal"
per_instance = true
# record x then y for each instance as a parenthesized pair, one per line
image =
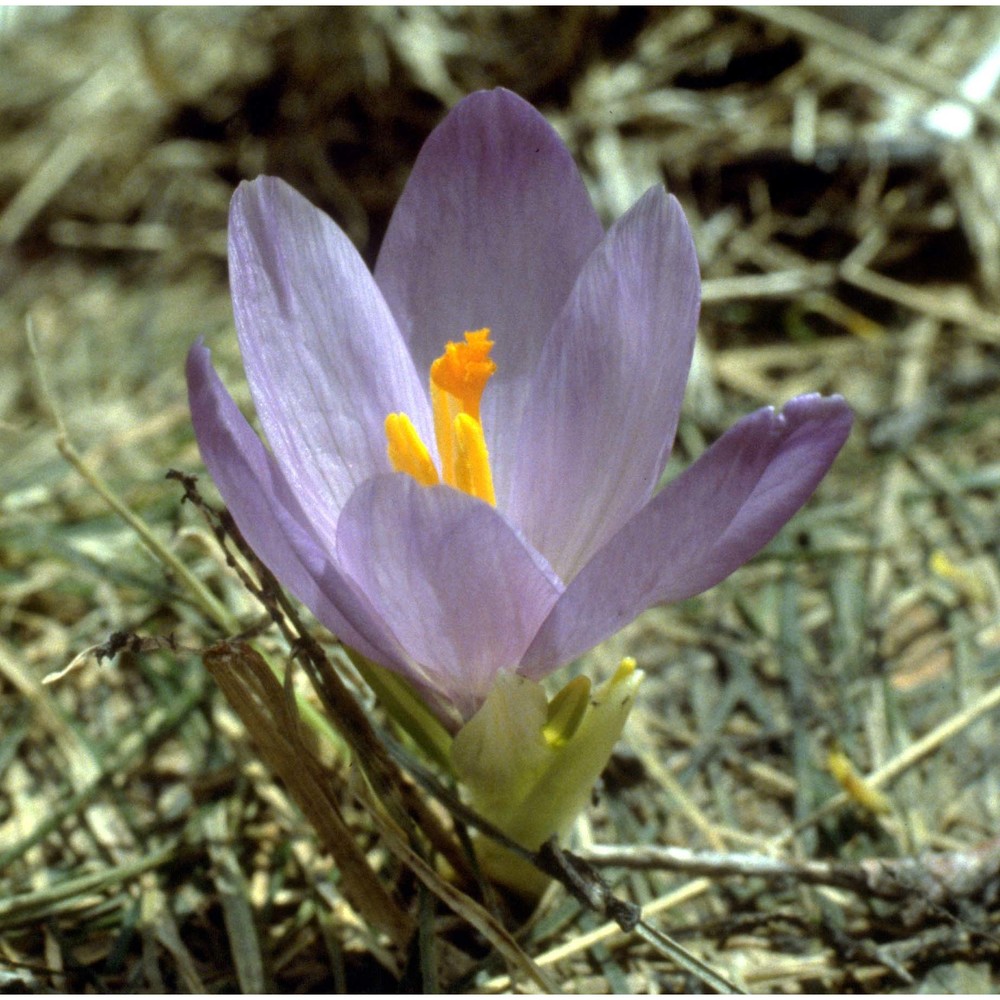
(323, 356)
(461, 592)
(491, 230)
(602, 412)
(711, 519)
(271, 520)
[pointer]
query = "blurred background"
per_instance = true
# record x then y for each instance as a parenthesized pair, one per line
(842, 177)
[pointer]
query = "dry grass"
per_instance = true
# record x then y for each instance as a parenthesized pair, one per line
(846, 246)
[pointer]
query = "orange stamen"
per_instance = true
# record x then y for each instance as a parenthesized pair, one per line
(458, 378)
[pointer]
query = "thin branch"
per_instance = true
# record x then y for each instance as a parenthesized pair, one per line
(932, 876)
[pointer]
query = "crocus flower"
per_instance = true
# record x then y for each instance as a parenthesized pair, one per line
(464, 446)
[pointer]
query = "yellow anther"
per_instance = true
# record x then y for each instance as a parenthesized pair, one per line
(566, 712)
(407, 452)
(472, 461)
(625, 670)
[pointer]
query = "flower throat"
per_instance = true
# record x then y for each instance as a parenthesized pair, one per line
(458, 378)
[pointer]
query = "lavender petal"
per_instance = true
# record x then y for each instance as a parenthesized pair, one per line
(710, 520)
(448, 575)
(272, 521)
(602, 412)
(491, 230)
(323, 355)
